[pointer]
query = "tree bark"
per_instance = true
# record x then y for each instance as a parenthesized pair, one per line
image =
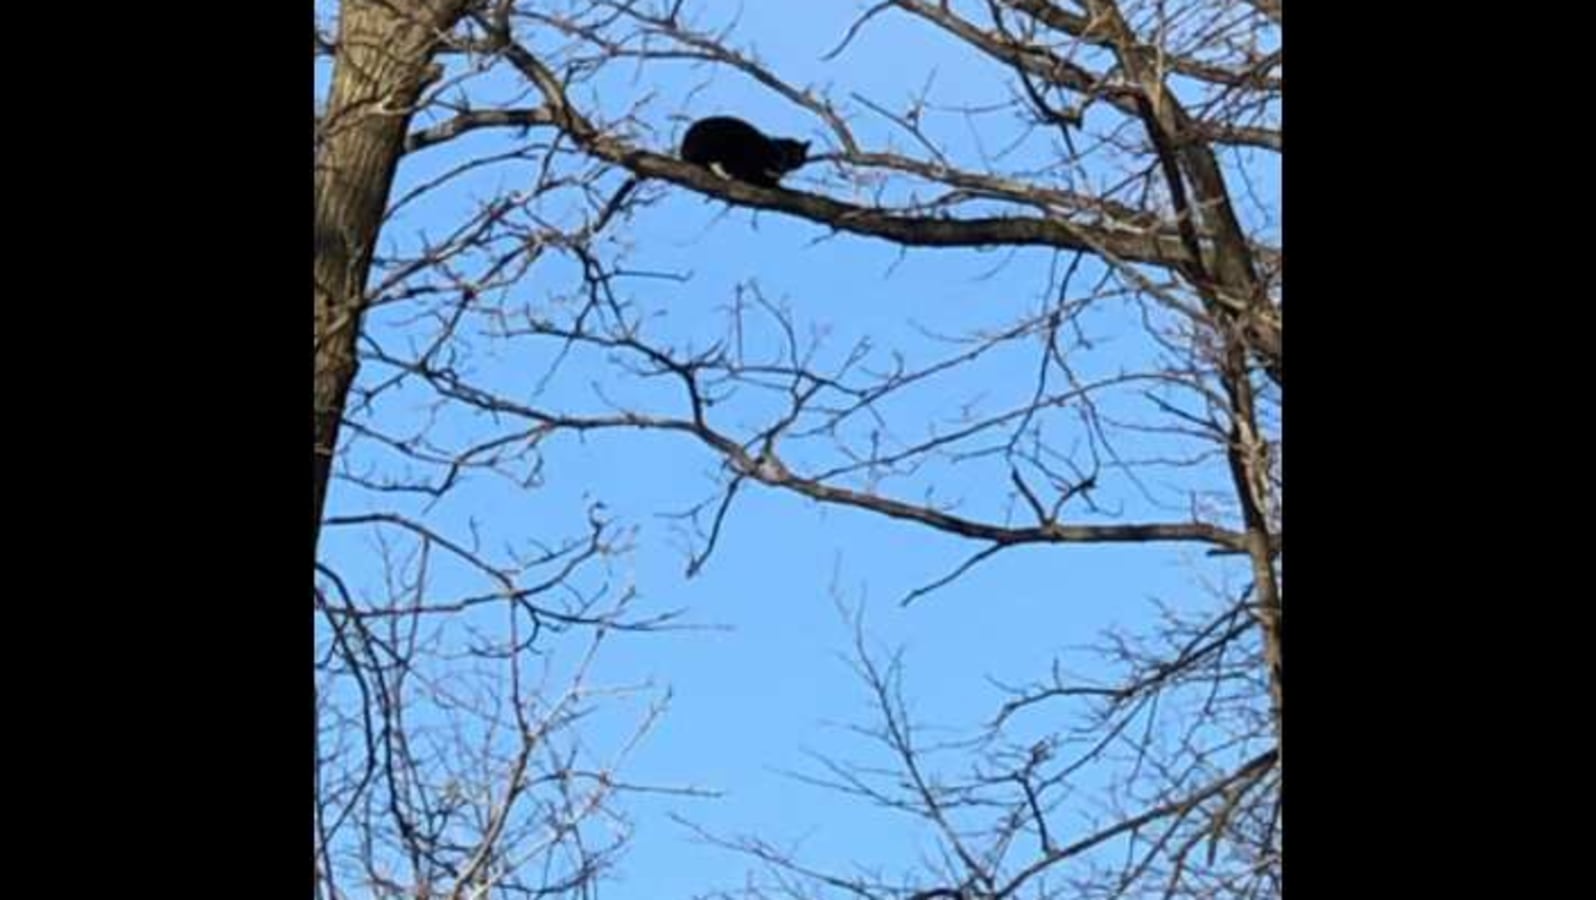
(384, 51)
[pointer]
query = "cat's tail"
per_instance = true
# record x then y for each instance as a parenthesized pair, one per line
(614, 205)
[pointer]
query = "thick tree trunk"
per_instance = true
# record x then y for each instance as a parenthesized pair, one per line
(384, 51)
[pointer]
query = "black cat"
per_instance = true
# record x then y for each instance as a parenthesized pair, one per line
(733, 148)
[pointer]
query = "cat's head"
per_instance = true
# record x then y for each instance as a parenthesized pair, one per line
(790, 154)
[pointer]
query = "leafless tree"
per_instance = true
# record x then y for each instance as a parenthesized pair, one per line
(447, 761)
(1123, 153)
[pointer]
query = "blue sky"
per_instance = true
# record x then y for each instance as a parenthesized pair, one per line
(749, 702)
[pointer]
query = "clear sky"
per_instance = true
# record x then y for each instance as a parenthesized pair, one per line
(751, 701)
